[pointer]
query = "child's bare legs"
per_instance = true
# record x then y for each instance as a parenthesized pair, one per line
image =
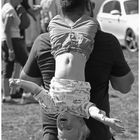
(100, 115)
(71, 127)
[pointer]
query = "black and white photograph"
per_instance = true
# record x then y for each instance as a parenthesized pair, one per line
(69, 69)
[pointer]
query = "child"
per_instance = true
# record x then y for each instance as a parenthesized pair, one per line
(72, 39)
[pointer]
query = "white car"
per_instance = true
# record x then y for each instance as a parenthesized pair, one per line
(120, 17)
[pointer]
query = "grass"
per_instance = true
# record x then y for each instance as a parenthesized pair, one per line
(125, 106)
(23, 122)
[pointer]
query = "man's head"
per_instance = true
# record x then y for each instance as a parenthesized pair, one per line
(71, 127)
(72, 5)
(82, 6)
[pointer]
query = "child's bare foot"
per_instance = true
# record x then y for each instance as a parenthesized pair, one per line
(14, 82)
(26, 85)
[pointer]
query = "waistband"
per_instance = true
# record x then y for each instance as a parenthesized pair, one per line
(69, 83)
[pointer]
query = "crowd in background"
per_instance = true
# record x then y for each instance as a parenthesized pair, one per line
(34, 18)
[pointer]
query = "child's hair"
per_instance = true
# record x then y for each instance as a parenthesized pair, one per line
(79, 134)
(72, 5)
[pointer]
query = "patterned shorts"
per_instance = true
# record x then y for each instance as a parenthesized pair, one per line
(71, 95)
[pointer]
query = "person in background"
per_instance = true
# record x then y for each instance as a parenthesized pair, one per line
(24, 24)
(33, 30)
(33, 11)
(28, 12)
(13, 45)
(50, 8)
(25, 20)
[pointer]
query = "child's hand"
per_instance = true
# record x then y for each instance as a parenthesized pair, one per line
(115, 124)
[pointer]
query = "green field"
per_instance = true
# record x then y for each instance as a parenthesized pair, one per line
(23, 122)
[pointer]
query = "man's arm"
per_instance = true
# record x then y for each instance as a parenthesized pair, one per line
(31, 71)
(121, 77)
(123, 83)
(36, 80)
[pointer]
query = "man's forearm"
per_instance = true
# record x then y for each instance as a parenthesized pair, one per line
(36, 80)
(124, 83)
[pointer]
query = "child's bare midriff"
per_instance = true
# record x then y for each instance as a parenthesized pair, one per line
(70, 66)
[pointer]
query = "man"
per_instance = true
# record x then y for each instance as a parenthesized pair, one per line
(106, 64)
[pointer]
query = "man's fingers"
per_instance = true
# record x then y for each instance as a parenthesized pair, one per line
(13, 82)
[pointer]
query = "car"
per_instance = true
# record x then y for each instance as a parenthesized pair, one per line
(120, 17)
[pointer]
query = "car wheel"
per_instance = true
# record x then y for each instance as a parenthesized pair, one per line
(130, 41)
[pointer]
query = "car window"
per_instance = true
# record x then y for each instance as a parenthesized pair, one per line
(108, 7)
(117, 6)
(131, 6)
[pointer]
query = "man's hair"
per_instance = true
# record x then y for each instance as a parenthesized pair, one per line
(72, 5)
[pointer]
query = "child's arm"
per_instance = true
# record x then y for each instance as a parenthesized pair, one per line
(100, 115)
(40, 94)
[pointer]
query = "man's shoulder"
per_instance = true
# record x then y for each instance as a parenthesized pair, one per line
(104, 36)
(42, 41)
(41, 45)
(106, 40)
(44, 37)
